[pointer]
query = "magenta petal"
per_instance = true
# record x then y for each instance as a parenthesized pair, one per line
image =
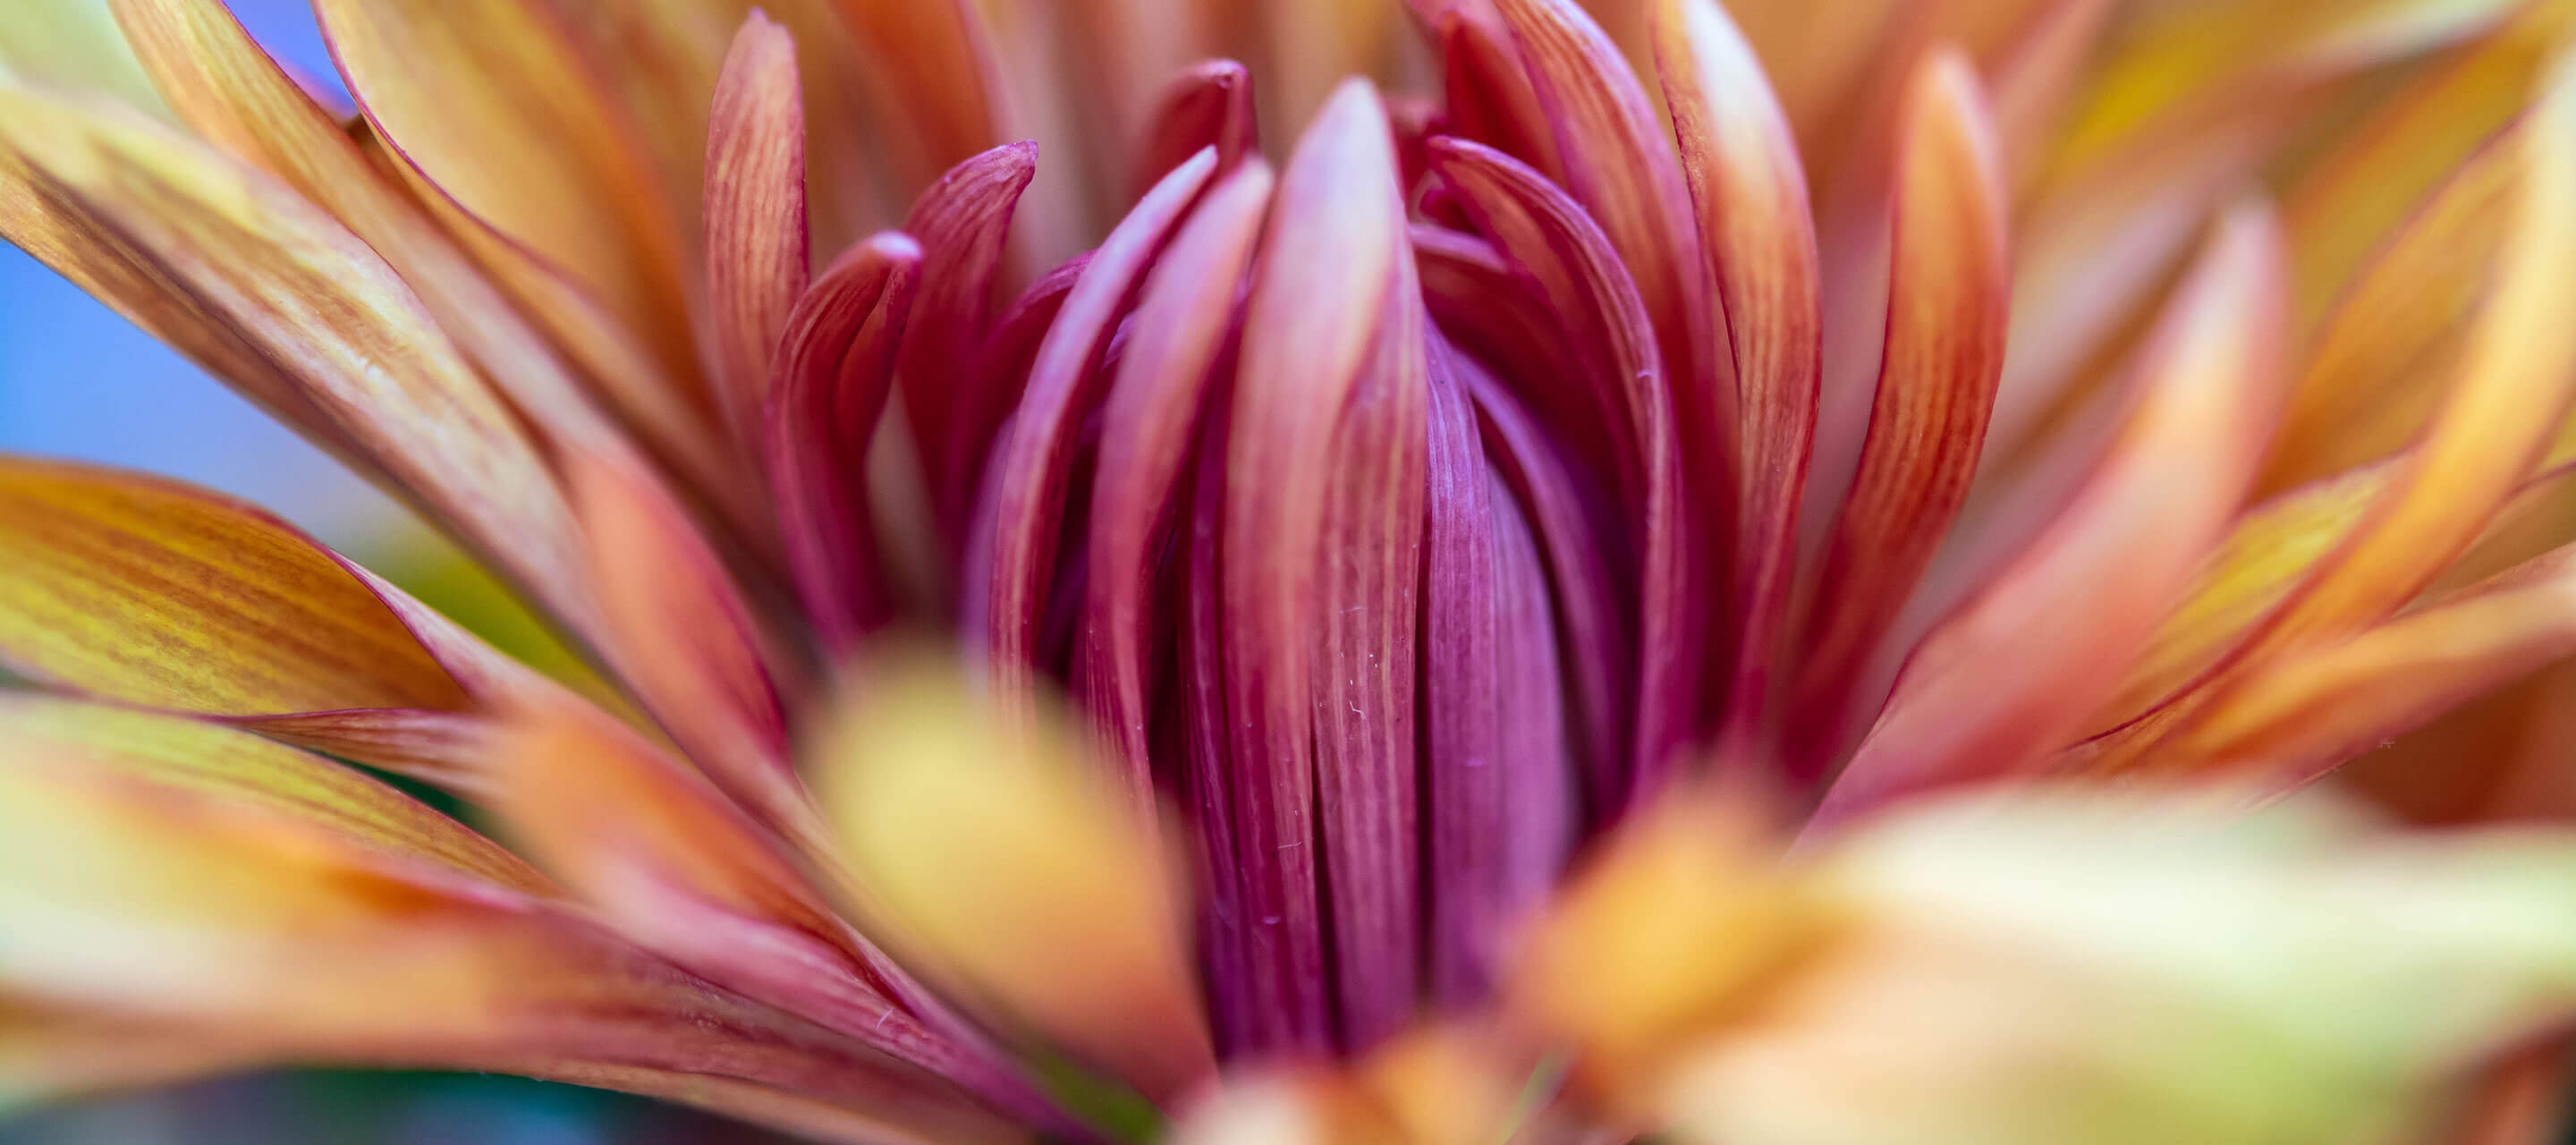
(1032, 464)
(986, 390)
(834, 369)
(1556, 244)
(963, 223)
(1209, 106)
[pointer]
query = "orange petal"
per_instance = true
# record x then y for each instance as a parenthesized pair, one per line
(151, 593)
(935, 79)
(287, 305)
(998, 860)
(676, 867)
(492, 106)
(2316, 709)
(1945, 321)
(755, 215)
(677, 629)
(253, 922)
(2384, 351)
(1751, 194)
(2071, 611)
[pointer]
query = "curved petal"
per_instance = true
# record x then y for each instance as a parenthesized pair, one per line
(754, 217)
(283, 302)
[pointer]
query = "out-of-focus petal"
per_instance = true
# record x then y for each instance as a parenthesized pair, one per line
(1033, 462)
(677, 629)
(986, 850)
(2071, 611)
(2318, 708)
(674, 865)
(835, 370)
(1680, 924)
(74, 44)
(934, 79)
(1946, 309)
(496, 112)
(1751, 195)
(1208, 106)
(280, 300)
(754, 217)
(2128, 967)
(145, 592)
(1148, 428)
(1325, 306)
(2382, 353)
(212, 897)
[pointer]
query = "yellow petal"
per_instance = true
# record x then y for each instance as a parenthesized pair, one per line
(493, 107)
(1678, 926)
(248, 924)
(281, 301)
(74, 44)
(994, 856)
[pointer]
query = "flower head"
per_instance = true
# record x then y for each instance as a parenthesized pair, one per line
(1650, 451)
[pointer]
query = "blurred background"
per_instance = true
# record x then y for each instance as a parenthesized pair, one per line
(78, 381)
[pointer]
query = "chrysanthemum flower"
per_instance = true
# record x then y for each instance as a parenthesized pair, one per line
(1648, 448)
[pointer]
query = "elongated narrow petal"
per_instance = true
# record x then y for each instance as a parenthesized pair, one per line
(1319, 302)
(2375, 372)
(1576, 269)
(1032, 463)
(236, 765)
(225, 87)
(2514, 382)
(679, 632)
(962, 223)
(151, 593)
(2319, 708)
(1209, 106)
(1497, 779)
(1488, 95)
(835, 370)
(496, 112)
(2070, 612)
(999, 859)
(1148, 428)
(1751, 194)
(249, 908)
(755, 215)
(1946, 309)
(283, 302)
(674, 865)
(1596, 641)
(982, 406)
(936, 79)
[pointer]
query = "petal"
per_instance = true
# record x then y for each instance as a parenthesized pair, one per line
(1033, 461)
(1322, 513)
(1148, 428)
(1946, 313)
(2071, 611)
(225, 87)
(1557, 246)
(673, 865)
(1497, 785)
(146, 592)
(497, 114)
(2316, 709)
(995, 858)
(936, 80)
(678, 631)
(1209, 106)
(1488, 96)
(834, 372)
(755, 214)
(982, 406)
(962, 223)
(73, 45)
(2381, 354)
(280, 300)
(256, 924)
(1751, 194)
